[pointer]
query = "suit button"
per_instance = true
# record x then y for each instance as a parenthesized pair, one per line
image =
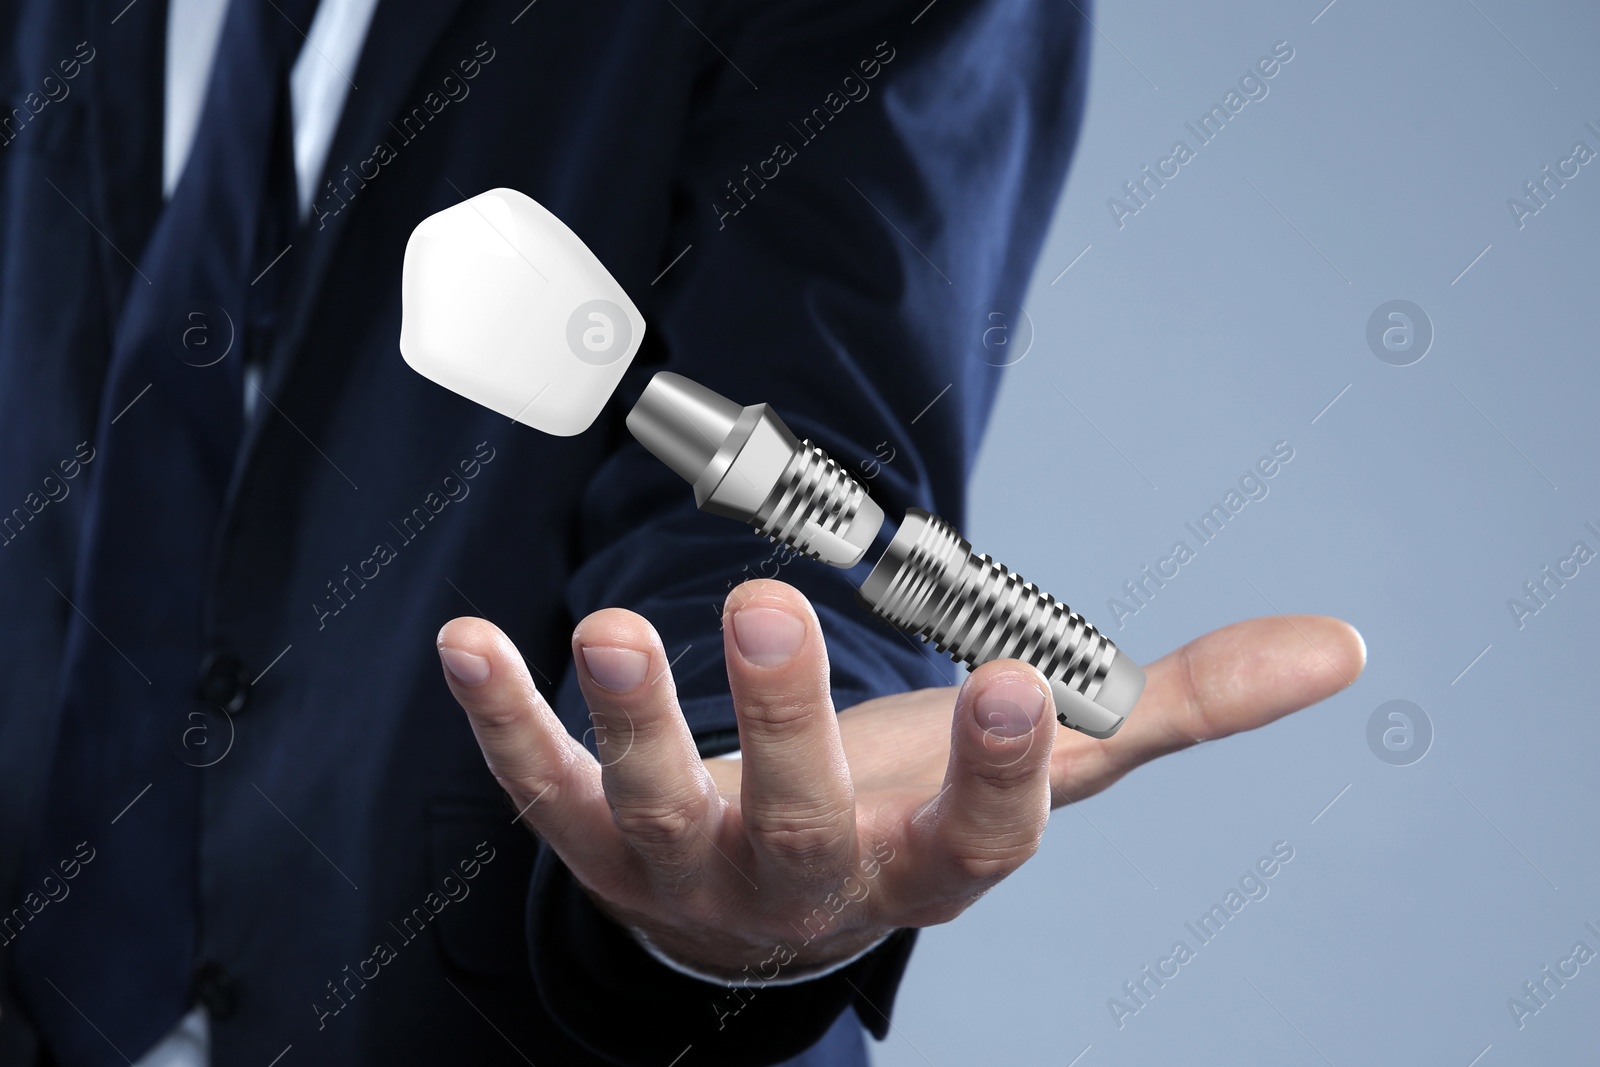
(224, 682)
(216, 991)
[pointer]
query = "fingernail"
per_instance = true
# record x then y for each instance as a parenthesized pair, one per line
(618, 669)
(1009, 708)
(465, 667)
(767, 637)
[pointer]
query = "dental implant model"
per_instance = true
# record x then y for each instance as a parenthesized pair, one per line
(743, 462)
(506, 306)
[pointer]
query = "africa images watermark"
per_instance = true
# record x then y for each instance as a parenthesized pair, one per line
(852, 89)
(1541, 190)
(52, 90)
(455, 90)
(411, 927)
(815, 924)
(451, 490)
(54, 491)
(1539, 992)
(1252, 88)
(1252, 486)
(1543, 587)
(12, 925)
(1252, 887)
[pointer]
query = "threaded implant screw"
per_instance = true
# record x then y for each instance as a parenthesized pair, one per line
(930, 583)
(743, 462)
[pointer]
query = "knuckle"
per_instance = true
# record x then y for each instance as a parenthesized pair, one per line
(983, 869)
(1197, 717)
(613, 727)
(1006, 771)
(659, 825)
(509, 712)
(537, 775)
(525, 792)
(987, 863)
(500, 718)
(802, 840)
(777, 716)
(801, 846)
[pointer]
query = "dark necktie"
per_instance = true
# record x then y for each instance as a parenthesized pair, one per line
(107, 972)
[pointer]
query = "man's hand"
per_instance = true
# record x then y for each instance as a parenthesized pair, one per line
(832, 830)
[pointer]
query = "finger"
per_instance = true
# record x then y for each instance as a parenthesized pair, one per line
(987, 820)
(795, 794)
(1237, 678)
(661, 797)
(551, 779)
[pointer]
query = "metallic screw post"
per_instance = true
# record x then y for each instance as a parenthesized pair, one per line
(932, 584)
(745, 463)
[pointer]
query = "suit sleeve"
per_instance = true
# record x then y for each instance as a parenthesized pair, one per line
(859, 188)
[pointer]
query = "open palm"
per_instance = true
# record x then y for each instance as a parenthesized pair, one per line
(833, 829)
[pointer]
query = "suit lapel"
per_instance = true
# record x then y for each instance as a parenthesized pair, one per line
(124, 115)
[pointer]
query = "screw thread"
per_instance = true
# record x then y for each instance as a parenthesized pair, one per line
(976, 610)
(814, 502)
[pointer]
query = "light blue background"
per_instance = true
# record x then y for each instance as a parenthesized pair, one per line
(1206, 329)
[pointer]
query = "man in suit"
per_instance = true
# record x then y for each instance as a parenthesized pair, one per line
(239, 822)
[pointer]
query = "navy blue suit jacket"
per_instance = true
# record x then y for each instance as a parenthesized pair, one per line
(844, 192)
